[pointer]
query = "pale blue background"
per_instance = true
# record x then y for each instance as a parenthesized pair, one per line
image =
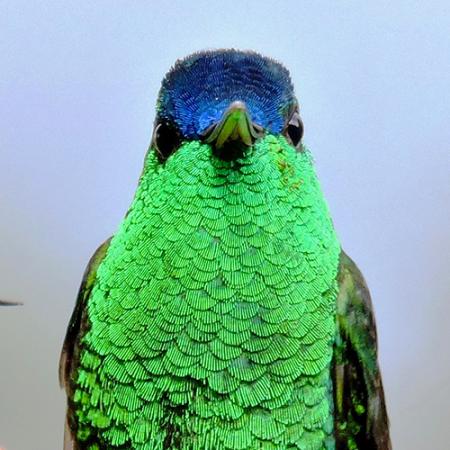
(78, 82)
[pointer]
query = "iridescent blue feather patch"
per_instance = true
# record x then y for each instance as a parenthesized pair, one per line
(198, 89)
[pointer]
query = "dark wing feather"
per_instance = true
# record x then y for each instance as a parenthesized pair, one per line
(75, 329)
(76, 321)
(361, 420)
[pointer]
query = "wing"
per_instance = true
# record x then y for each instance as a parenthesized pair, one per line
(75, 323)
(75, 329)
(361, 420)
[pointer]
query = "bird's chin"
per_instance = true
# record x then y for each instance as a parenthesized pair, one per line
(231, 151)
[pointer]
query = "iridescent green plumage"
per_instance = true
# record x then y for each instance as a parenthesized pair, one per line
(213, 310)
(215, 318)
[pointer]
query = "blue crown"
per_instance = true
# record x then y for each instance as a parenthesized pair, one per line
(199, 88)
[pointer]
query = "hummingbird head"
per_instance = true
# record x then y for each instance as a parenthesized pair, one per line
(228, 99)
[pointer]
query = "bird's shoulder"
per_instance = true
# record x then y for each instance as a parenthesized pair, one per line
(361, 419)
(78, 318)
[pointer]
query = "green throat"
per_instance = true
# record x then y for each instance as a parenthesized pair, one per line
(212, 320)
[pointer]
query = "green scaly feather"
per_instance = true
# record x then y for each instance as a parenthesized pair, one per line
(212, 319)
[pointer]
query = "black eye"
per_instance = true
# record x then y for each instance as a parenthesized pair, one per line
(294, 130)
(166, 139)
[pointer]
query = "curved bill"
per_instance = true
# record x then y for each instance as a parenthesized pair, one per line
(235, 125)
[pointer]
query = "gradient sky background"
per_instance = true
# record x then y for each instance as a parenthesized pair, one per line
(78, 85)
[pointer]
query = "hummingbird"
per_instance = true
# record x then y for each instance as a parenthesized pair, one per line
(223, 313)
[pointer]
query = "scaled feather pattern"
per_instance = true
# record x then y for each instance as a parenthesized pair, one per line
(223, 314)
(197, 91)
(213, 311)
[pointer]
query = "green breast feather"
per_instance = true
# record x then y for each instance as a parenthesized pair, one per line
(212, 319)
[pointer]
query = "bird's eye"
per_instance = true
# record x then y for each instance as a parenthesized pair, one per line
(294, 130)
(166, 139)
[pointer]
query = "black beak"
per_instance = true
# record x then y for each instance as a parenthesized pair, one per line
(235, 126)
